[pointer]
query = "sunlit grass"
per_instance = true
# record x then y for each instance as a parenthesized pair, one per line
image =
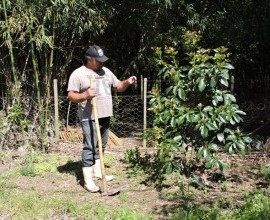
(36, 205)
(257, 206)
(32, 204)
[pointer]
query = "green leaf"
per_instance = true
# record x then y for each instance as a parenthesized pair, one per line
(222, 119)
(190, 73)
(215, 125)
(220, 137)
(189, 117)
(225, 74)
(211, 126)
(196, 118)
(229, 98)
(182, 94)
(213, 146)
(213, 82)
(180, 120)
(169, 168)
(173, 121)
(197, 127)
(237, 118)
(168, 90)
(247, 139)
(232, 121)
(224, 82)
(202, 84)
(206, 154)
(204, 131)
(177, 138)
(241, 145)
(231, 137)
(219, 98)
(207, 108)
(231, 151)
(174, 90)
(240, 112)
(200, 152)
(220, 165)
(208, 164)
(228, 66)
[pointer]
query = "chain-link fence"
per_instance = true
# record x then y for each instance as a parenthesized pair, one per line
(127, 117)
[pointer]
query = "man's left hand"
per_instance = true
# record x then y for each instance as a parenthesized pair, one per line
(132, 80)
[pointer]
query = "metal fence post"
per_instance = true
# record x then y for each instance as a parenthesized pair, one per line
(144, 110)
(56, 113)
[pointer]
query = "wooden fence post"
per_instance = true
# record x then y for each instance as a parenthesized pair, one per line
(56, 113)
(144, 110)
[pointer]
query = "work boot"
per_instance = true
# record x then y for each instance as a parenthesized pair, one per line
(97, 172)
(89, 184)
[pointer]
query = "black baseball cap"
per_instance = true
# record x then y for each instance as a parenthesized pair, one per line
(96, 52)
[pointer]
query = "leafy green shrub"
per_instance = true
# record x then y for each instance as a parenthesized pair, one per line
(194, 108)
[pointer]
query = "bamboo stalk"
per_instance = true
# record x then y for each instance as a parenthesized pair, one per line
(14, 86)
(40, 109)
(9, 43)
(49, 83)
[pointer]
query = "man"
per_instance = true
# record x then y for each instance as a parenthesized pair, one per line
(79, 91)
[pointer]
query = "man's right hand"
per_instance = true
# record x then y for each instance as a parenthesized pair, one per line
(90, 93)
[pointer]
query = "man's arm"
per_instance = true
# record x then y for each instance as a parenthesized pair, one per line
(124, 84)
(80, 97)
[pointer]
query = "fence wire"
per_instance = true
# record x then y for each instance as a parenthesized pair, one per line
(127, 119)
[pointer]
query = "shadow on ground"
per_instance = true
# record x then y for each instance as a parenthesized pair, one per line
(74, 168)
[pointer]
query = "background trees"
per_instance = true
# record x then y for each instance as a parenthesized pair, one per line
(41, 41)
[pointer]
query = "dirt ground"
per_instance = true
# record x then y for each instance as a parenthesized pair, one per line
(242, 177)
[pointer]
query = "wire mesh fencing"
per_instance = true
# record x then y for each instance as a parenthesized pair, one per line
(127, 119)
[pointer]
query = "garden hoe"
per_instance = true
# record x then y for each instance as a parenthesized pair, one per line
(106, 192)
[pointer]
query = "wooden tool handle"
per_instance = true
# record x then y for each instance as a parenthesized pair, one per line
(94, 108)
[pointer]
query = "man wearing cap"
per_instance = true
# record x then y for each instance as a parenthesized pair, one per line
(79, 91)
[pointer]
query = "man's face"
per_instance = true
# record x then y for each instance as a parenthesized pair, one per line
(95, 65)
(99, 64)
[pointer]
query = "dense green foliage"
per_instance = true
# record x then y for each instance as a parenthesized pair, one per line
(196, 112)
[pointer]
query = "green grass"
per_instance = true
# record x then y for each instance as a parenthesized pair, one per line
(44, 205)
(36, 205)
(256, 207)
(35, 164)
(123, 197)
